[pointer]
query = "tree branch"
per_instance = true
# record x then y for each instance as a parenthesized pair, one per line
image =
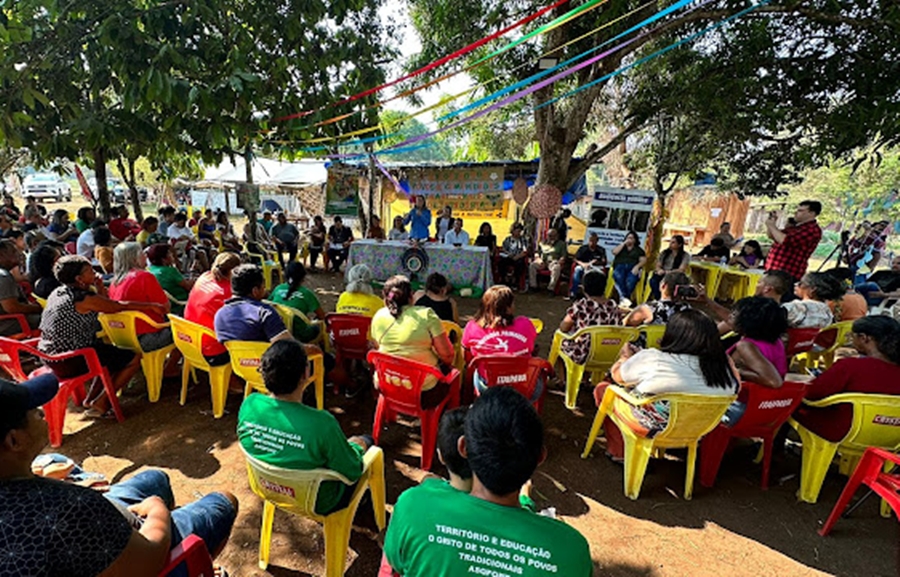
(595, 153)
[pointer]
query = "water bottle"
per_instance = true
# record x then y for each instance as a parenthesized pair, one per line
(723, 261)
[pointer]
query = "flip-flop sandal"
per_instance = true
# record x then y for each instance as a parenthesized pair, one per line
(96, 414)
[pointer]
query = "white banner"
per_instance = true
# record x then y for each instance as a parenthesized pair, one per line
(615, 211)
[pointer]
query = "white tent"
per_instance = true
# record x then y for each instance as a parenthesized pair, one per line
(269, 172)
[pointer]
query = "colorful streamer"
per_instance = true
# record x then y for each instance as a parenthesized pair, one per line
(435, 64)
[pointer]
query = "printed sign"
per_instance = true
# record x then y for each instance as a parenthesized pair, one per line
(342, 192)
(456, 181)
(615, 211)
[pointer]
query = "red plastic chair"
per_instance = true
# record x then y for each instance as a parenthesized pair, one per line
(517, 372)
(191, 551)
(545, 273)
(349, 336)
(55, 411)
(26, 332)
(800, 341)
(400, 391)
(871, 473)
(71, 247)
(767, 410)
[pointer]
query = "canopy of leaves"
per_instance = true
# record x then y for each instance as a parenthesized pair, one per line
(402, 127)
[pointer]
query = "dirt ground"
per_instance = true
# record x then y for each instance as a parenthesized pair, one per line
(733, 529)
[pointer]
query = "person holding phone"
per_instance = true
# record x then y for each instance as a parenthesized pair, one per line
(675, 288)
(673, 259)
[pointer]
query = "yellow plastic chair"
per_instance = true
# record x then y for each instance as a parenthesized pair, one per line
(875, 424)
(296, 492)
(188, 338)
(538, 325)
(39, 300)
(270, 268)
(654, 333)
(606, 341)
(824, 358)
(174, 300)
(288, 314)
(121, 329)
(245, 361)
(455, 332)
(641, 290)
(690, 418)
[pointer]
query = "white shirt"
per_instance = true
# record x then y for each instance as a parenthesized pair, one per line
(177, 232)
(452, 237)
(654, 372)
(808, 314)
(395, 234)
(84, 246)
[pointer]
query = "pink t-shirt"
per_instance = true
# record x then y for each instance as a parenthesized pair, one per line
(516, 339)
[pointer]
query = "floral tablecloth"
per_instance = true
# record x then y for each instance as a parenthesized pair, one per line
(463, 266)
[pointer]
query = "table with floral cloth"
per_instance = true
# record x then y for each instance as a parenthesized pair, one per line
(466, 266)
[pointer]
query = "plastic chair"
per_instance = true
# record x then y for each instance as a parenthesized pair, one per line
(55, 411)
(189, 338)
(296, 492)
(288, 314)
(39, 300)
(174, 300)
(875, 424)
(538, 325)
(637, 295)
(690, 417)
(455, 333)
(767, 410)
(349, 336)
(270, 268)
(873, 471)
(800, 341)
(520, 373)
(654, 334)
(191, 551)
(545, 273)
(245, 362)
(26, 331)
(830, 339)
(400, 391)
(121, 328)
(606, 341)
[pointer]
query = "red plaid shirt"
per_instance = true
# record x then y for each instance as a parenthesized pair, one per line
(792, 254)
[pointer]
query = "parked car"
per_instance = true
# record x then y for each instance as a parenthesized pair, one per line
(47, 185)
(118, 194)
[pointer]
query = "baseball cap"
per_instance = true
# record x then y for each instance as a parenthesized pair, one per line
(17, 399)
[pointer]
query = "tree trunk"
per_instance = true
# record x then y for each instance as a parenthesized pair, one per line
(251, 211)
(99, 155)
(128, 177)
(657, 230)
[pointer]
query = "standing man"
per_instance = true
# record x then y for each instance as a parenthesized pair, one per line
(285, 236)
(795, 244)
(590, 256)
(339, 239)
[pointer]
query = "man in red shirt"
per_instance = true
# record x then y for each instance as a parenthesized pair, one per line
(795, 244)
(121, 226)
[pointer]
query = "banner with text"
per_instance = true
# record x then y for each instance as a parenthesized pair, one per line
(342, 192)
(456, 181)
(615, 211)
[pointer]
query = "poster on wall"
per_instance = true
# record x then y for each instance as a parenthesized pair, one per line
(456, 181)
(615, 211)
(342, 192)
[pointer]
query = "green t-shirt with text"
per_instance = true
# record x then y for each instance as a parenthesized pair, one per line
(294, 436)
(437, 531)
(170, 279)
(305, 301)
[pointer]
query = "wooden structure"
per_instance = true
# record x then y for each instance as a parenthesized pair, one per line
(697, 213)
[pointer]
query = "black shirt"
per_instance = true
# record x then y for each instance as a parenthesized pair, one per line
(339, 236)
(51, 528)
(888, 280)
(586, 254)
(443, 309)
(711, 251)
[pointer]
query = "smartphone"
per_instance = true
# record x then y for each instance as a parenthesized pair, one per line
(687, 291)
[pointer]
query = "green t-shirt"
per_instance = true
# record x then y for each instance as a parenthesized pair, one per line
(436, 530)
(302, 299)
(81, 225)
(170, 279)
(294, 436)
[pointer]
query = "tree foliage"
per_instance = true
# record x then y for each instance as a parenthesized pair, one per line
(403, 127)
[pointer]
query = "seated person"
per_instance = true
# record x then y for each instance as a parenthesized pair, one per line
(375, 231)
(339, 239)
(486, 238)
(162, 266)
(60, 230)
(85, 244)
(672, 290)
(84, 217)
(317, 238)
(877, 372)
(227, 238)
(244, 317)
(456, 236)
(359, 297)
(549, 256)
(40, 273)
(881, 284)
(150, 232)
(209, 294)
(850, 305)
(690, 359)
(179, 230)
(435, 296)
(673, 259)
(811, 309)
(103, 249)
(629, 259)
(404, 330)
(726, 236)
(496, 330)
(268, 425)
(122, 227)
(589, 257)
(504, 444)
(293, 294)
(398, 232)
(54, 527)
(513, 256)
(759, 355)
(715, 251)
(592, 310)
(12, 297)
(751, 256)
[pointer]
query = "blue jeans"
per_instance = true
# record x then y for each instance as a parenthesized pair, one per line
(655, 281)
(625, 280)
(868, 287)
(210, 518)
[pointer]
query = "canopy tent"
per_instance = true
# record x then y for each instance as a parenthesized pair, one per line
(268, 172)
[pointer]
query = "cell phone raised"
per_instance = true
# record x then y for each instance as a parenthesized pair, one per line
(688, 291)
